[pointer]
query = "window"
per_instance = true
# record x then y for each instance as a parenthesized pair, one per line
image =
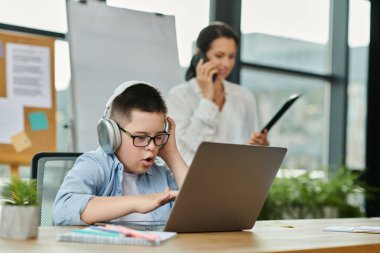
(33, 14)
(291, 34)
(62, 86)
(359, 24)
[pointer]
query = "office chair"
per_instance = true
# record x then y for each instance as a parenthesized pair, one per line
(50, 169)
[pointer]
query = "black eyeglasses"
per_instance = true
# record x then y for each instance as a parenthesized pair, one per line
(144, 140)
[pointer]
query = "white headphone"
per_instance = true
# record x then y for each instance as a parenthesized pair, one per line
(108, 130)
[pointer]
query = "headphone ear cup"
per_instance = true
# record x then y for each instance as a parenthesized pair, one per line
(108, 135)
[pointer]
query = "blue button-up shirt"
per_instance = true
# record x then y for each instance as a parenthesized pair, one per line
(96, 173)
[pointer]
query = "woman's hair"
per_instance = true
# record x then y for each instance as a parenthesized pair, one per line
(140, 97)
(208, 34)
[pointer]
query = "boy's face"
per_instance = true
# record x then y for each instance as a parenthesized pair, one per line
(137, 160)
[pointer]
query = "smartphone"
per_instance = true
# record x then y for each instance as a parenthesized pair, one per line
(200, 55)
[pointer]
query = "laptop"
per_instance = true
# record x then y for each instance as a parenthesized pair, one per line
(224, 190)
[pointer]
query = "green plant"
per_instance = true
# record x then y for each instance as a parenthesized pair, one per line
(20, 192)
(307, 197)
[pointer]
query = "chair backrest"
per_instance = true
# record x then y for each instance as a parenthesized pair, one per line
(50, 169)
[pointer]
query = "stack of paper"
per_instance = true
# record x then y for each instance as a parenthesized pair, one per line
(361, 229)
(112, 234)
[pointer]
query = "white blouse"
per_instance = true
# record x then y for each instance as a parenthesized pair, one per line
(198, 119)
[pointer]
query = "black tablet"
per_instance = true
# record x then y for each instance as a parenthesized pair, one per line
(280, 112)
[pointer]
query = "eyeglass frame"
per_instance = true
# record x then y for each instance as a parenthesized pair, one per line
(150, 137)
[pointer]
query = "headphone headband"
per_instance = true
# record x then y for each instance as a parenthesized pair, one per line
(119, 89)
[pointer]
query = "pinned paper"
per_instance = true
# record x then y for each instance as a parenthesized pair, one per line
(28, 74)
(38, 121)
(11, 119)
(21, 141)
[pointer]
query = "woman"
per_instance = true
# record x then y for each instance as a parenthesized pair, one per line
(207, 107)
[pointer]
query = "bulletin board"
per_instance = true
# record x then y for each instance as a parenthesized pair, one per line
(27, 97)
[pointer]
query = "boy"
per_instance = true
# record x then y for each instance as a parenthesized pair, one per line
(129, 183)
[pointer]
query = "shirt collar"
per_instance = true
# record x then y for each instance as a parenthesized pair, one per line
(150, 170)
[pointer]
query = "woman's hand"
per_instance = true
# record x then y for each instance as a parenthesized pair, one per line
(259, 138)
(205, 72)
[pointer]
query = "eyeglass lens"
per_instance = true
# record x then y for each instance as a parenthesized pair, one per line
(142, 141)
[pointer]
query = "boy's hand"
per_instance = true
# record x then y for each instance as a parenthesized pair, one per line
(170, 147)
(170, 154)
(150, 202)
(259, 138)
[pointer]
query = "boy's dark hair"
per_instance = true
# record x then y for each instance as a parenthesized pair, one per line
(208, 34)
(140, 97)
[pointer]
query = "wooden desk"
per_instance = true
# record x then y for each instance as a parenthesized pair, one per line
(306, 236)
